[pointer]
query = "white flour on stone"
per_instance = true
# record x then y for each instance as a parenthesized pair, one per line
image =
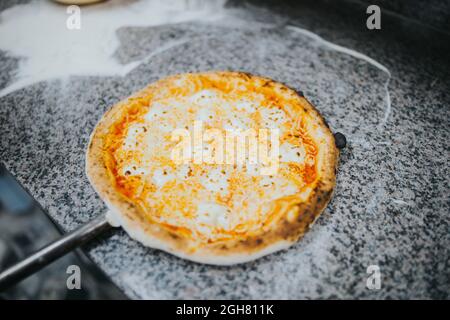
(37, 33)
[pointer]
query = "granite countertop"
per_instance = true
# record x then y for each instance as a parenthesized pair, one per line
(391, 205)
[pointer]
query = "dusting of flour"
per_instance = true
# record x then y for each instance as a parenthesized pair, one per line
(37, 33)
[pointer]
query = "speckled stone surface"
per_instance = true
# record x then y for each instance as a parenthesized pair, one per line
(391, 205)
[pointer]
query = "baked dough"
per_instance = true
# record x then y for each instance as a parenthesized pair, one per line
(214, 213)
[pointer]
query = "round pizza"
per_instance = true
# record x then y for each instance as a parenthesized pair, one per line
(216, 167)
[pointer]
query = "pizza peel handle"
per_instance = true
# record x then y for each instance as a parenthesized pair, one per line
(53, 251)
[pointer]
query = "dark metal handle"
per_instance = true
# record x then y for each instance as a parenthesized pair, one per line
(53, 251)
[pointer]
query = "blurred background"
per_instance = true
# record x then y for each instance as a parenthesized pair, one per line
(24, 228)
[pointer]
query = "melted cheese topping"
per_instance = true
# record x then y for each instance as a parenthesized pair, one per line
(208, 202)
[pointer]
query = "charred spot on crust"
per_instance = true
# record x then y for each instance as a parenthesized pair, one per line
(323, 196)
(294, 91)
(325, 123)
(269, 83)
(340, 140)
(173, 235)
(245, 75)
(252, 242)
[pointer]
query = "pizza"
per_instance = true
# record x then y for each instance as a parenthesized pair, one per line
(215, 167)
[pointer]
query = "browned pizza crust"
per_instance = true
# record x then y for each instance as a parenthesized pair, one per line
(294, 221)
